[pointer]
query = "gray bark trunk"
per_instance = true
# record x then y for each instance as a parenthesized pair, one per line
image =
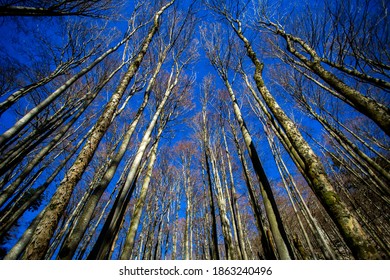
(277, 229)
(353, 233)
(136, 217)
(52, 213)
(70, 244)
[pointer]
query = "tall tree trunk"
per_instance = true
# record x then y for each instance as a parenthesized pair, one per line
(187, 230)
(206, 152)
(234, 203)
(282, 172)
(264, 117)
(273, 215)
(70, 244)
(214, 245)
(269, 253)
(221, 202)
(136, 217)
(116, 214)
(227, 193)
(40, 241)
(351, 230)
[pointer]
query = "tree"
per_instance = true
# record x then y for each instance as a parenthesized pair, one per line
(348, 225)
(221, 63)
(45, 229)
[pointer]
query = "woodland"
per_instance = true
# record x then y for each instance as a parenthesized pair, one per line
(194, 130)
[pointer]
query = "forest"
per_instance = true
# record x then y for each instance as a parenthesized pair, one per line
(194, 130)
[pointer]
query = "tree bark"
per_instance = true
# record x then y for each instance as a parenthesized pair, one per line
(70, 244)
(352, 232)
(136, 217)
(52, 213)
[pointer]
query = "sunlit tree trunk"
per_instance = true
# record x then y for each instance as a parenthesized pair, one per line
(353, 233)
(188, 194)
(234, 202)
(136, 216)
(116, 215)
(221, 202)
(40, 241)
(70, 244)
(206, 157)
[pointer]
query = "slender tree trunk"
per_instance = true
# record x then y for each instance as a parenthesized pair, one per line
(221, 201)
(136, 217)
(187, 239)
(40, 241)
(352, 232)
(214, 247)
(227, 193)
(282, 172)
(175, 227)
(234, 203)
(70, 244)
(277, 228)
(265, 242)
(111, 224)
(316, 230)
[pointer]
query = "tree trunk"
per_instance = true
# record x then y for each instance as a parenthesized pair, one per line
(40, 241)
(269, 253)
(277, 228)
(116, 214)
(353, 233)
(136, 217)
(70, 244)
(221, 201)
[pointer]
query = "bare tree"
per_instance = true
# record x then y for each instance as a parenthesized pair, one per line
(39, 243)
(353, 233)
(221, 62)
